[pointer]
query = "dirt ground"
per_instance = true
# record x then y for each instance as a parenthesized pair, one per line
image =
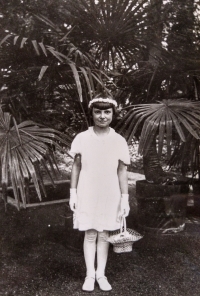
(42, 256)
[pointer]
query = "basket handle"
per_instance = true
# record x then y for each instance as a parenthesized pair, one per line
(123, 223)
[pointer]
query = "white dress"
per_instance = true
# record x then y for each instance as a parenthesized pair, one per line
(98, 186)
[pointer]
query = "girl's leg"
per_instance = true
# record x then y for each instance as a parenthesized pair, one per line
(102, 252)
(89, 249)
(102, 255)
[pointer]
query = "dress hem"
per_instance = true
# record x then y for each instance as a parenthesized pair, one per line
(97, 229)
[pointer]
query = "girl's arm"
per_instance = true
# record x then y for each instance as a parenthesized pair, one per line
(123, 183)
(76, 168)
(123, 177)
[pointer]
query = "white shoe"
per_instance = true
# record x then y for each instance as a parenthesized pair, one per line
(104, 284)
(88, 285)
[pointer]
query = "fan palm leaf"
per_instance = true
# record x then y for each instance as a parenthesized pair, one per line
(111, 30)
(23, 148)
(162, 119)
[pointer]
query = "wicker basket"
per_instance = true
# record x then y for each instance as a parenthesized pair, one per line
(123, 239)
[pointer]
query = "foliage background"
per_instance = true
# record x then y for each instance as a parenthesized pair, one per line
(55, 57)
(148, 50)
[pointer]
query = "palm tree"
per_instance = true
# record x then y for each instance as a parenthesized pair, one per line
(25, 150)
(166, 121)
(112, 31)
(122, 40)
(41, 67)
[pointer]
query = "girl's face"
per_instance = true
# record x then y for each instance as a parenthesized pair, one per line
(102, 118)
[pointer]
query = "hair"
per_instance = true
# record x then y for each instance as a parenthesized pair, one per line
(103, 105)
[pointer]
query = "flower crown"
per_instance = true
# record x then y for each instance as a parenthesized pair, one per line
(102, 100)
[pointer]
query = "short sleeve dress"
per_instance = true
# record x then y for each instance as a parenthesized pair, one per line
(98, 187)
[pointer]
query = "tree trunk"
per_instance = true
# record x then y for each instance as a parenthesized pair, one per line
(152, 167)
(153, 170)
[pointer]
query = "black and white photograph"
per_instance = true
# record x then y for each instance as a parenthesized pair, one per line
(99, 147)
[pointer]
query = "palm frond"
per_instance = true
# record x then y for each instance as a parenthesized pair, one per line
(42, 51)
(109, 28)
(161, 119)
(23, 148)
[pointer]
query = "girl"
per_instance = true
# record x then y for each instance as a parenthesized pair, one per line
(99, 187)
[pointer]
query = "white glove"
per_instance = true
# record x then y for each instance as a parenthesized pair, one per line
(73, 199)
(124, 206)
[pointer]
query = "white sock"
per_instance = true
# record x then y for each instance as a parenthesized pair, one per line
(89, 248)
(102, 253)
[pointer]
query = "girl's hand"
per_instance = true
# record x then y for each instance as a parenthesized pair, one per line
(73, 199)
(124, 206)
